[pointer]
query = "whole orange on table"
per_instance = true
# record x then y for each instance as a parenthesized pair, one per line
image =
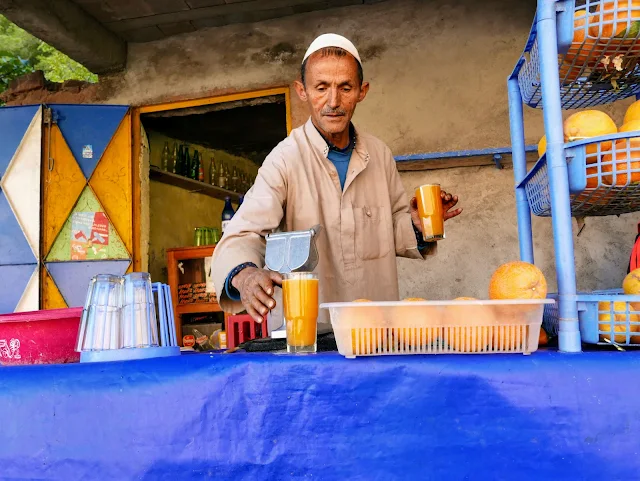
(515, 280)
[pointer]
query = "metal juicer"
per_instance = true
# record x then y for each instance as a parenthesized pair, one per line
(289, 252)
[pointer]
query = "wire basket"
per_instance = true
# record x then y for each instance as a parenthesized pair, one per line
(436, 327)
(602, 313)
(604, 177)
(599, 54)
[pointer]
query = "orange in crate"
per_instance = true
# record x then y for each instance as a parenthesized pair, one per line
(368, 340)
(611, 20)
(627, 167)
(619, 316)
(586, 124)
(472, 338)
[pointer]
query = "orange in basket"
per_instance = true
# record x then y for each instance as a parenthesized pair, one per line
(627, 166)
(610, 21)
(619, 315)
(471, 338)
(369, 340)
(418, 337)
(586, 124)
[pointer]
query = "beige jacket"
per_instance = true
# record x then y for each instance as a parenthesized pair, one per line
(366, 225)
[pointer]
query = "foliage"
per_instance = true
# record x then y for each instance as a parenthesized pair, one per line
(21, 52)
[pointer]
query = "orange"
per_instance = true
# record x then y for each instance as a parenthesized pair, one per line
(367, 340)
(587, 124)
(543, 338)
(542, 146)
(631, 125)
(468, 338)
(592, 182)
(631, 283)
(410, 337)
(627, 166)
(632, 113)
(517, 280)
(619, 315)
(613, 20)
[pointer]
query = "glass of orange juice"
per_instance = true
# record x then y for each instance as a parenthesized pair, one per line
(431, 212)
(300, 302)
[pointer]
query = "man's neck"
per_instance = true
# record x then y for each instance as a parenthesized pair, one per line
(340, 140)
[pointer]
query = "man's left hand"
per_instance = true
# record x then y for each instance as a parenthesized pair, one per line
(449, 201)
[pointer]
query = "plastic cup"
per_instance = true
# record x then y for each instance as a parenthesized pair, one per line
(100, 324)
(431, 212)
(300, 302)
(139, 321)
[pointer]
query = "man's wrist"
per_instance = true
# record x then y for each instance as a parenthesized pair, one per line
(237, 275)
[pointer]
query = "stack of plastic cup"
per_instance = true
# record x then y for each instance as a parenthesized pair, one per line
(139, 324)
(100, 326)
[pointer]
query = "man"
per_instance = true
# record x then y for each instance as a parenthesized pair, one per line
(326, 172)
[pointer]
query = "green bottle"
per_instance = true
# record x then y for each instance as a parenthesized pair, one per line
(164, 160)
(187, 162)
(195, 165)
(180, 168)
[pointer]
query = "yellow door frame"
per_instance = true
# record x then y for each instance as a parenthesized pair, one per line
(181, 104)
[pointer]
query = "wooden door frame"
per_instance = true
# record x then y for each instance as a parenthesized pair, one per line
(136, 112)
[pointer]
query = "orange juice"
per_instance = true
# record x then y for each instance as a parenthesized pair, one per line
(300, 302)
(431, 212)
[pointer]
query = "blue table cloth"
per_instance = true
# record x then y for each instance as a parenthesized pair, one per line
(274, 417)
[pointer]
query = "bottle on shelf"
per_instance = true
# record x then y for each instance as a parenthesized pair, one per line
(180, 160)
(187, 162)
(164, 161)
(240, 201)
(195, 166)
(174, 158)
(213, 171)
(222, 177)
(235, 180)
(200, 168)
(227, 213)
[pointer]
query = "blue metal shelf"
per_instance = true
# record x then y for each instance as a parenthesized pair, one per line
(457, 158)
(590, 177)
(593, 69)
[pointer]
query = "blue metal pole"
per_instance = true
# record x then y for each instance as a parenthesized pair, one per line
(516, 120)
(569, 333)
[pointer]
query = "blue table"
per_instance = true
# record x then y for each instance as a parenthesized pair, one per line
(275, 417)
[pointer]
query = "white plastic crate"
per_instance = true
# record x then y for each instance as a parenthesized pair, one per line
(436, 327)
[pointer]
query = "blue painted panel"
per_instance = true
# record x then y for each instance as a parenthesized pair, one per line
(14, 248)
(88, 125)
(14, 122)
(13, 282)
(72, 278)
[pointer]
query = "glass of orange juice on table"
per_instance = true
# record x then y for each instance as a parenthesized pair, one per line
(430, 212)
(300, 302)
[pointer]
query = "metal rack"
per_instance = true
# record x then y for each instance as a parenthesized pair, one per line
(568, 63)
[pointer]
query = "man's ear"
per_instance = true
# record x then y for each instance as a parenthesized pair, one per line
(364, 90)
(299, 86)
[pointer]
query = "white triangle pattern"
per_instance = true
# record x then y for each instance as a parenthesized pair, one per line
(21, 183)
(30, 300)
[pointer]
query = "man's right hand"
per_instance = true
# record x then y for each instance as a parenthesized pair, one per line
(256, 287)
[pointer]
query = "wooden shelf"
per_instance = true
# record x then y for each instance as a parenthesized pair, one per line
(191, 185)
(198, 308)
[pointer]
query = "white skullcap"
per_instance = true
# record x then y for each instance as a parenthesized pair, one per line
(332, 40)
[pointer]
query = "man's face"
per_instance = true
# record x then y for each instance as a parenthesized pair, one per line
(332, 90)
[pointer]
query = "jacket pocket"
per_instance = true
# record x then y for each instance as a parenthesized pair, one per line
(372, 232)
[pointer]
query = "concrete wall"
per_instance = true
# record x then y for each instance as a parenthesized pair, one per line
(438, 83)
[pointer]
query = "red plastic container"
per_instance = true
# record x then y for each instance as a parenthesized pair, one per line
(40, 337)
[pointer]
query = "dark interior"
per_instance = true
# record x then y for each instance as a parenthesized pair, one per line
(247, 128)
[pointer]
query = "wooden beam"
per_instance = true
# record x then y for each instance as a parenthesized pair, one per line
(65, 26)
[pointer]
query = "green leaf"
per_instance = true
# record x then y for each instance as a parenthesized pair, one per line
(631, 32)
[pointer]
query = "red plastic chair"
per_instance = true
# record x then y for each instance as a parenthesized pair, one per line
(243, 328)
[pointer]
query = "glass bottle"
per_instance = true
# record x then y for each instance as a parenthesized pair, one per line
(174, 158)
(222, 178)
(195, 165)
(164, 161)
(187, 162)
(235, 180)
(227, 213)
(213, 171)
